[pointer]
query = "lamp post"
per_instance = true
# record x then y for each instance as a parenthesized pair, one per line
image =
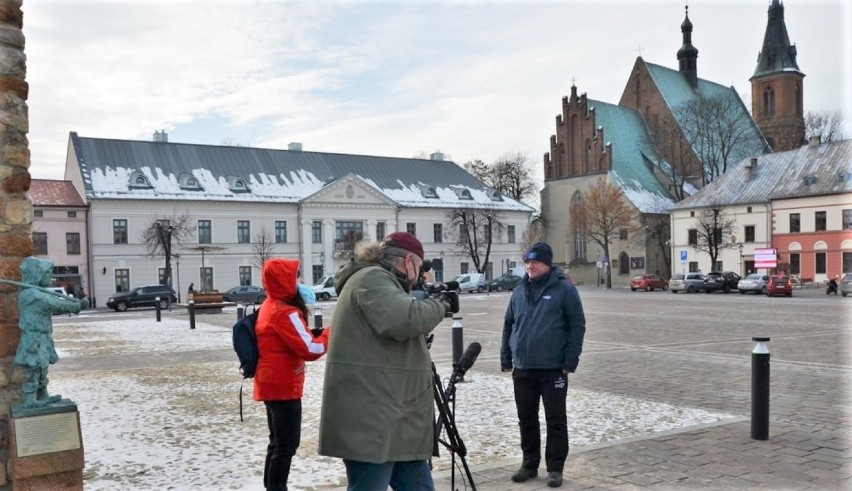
(740, 247)
(322, 262)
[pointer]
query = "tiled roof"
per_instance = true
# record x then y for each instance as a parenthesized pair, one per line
(44, 192)
(807, 171)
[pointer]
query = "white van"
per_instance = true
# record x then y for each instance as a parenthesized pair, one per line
(324, 288)
(471, 282)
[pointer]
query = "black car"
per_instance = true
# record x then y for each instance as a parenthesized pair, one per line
(724, 281)
(505, 282)
(245, 294)
(143, 296)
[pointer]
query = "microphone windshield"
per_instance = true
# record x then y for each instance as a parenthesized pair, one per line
(469, 357)
(452, 285)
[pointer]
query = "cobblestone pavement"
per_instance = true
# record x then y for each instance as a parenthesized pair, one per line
(691, 350)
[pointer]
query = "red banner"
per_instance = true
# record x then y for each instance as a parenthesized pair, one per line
(766, 258)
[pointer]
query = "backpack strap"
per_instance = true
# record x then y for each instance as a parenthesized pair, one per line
(241, 399)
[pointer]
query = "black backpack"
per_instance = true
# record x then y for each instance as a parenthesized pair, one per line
(245, 344)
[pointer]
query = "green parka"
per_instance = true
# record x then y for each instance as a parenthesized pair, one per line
(377, 403)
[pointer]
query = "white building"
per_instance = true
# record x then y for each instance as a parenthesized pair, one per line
(305, 203)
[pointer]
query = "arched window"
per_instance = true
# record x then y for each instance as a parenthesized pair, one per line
(579, 249)
(623, 264)
(768, 101)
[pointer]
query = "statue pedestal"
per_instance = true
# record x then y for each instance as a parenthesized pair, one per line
(46, 447)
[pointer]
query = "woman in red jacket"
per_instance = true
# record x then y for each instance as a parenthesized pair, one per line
(284, 343)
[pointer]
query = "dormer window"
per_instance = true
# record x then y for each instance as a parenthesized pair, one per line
(495, 195)
(188, 182)
(139, 181)
(428, 192)
(809, 180)
(238, 185)
(463, 193)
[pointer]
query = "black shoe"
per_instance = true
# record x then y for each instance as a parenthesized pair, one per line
(554, 479)
(524, 474)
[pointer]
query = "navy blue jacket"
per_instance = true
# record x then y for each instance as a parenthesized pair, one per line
(543, 330)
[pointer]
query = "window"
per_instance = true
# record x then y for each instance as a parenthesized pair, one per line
(438, 233)
(243, 232)
(40, 243)
(692, 237)
(622, 234)
(72, 242)
(316, 232)
(717, 238)
(795, 223)
(719, 266)
(380, 231)
(206, 274)
(693, 266)
(510, 231)
(411, 228)
(768, 102)
(819, 221)
(847, 219)
(316, 273)
(463, 268)
(795, 267)
(161, 274)
(819, 259)
(847, 262)
(749, 233)
(72, 214)
(38, 213)
(280, 232)
(122, 280)
(119, 231)
(245, 275)
(205, 232)
(347, 234)
(748, 210)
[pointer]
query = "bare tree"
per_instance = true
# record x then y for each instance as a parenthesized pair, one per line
(713, 232)
(720, 131)
(512, 175)
(602, 214)
(262, 246)
(473, 231)
(679, 167)
(478, 169)
(825, 125)
(534, 232)
(161, 235)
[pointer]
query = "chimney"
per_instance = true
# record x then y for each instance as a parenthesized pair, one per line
(814, 141)
(161, 136)
(437, 156)
(750, 168)
(294, 147)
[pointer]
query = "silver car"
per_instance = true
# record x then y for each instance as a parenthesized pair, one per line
(846, 285)
(753, 283)
(690, 283)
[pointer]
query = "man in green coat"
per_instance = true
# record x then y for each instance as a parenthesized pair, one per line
(377, 408)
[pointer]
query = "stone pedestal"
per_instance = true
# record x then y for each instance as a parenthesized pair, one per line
(46, 448)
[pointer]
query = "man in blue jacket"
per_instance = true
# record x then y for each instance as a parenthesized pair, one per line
(542, 341)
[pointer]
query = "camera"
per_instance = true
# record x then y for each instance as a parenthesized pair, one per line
(446, 293)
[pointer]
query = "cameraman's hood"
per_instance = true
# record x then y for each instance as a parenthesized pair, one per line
(279, 278)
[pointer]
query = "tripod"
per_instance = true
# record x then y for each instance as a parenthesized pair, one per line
(446, 402)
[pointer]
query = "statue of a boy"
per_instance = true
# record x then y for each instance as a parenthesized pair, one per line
(36, 351)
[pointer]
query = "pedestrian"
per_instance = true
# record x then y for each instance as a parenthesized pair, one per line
(377, 407)
(542, 340)
(284, 343)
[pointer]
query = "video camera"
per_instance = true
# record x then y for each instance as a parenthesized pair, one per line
(445, 292)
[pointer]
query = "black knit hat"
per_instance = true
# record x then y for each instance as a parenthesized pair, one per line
(540, 252)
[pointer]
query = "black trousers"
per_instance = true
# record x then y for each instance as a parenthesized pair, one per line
(550, 386)
(285, 431)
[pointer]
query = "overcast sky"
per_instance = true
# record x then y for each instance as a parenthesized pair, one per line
(473, 79)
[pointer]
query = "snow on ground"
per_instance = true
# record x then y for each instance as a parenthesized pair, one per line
(178, 427)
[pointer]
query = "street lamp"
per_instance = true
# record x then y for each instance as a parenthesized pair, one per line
(740, 247)
(322, 262)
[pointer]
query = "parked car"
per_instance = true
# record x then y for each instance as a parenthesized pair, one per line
(506, 282)
(471, 282)
(724, 281)
(691, 282)
(846, 285)
(324, 288)
(754, 282)
(779, 285)
(142, 296)
(648, 282)
(247, 294)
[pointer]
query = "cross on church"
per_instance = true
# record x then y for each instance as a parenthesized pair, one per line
(640, 50)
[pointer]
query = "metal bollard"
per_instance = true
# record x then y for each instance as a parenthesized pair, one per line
(760, 389)
(458, 340)
(241, 311)
(191, 309)
(317, 317)
(157, 307)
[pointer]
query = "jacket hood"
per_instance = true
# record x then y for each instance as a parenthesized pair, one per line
(346, 271)
(280, 278)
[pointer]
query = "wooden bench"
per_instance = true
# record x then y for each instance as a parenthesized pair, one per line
(206, 302)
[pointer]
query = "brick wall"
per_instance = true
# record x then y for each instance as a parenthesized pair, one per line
(15, 209)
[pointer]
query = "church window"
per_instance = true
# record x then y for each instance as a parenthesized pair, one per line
(768, 102)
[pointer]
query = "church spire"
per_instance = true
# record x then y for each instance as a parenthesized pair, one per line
(687, 55)
(777, 54)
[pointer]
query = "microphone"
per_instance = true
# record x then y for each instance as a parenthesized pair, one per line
(452, 286)
(468, 358)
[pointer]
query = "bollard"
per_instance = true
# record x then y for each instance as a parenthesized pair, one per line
(317, 317)
(458, 340)
(241, 310)
(760, 389)
(157, 307)
(191, 314)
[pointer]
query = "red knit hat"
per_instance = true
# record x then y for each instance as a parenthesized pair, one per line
(404, 240)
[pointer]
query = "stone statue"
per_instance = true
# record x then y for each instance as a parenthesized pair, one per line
(36, 305)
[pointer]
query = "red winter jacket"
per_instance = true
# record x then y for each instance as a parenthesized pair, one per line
(284, 339)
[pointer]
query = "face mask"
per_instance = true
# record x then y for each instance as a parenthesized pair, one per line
(306, 293)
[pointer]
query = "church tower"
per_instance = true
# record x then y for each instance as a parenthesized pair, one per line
(687, 55)
(776, 87)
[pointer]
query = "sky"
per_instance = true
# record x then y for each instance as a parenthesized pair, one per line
(176, 425)
(400, 78)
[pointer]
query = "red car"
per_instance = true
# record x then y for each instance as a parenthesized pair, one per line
(779, 285)
(648, 282)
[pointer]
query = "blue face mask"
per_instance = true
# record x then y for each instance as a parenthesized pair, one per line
(306, 293)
